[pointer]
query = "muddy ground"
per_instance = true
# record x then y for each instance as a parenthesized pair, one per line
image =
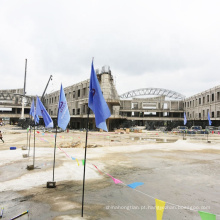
(179, 172)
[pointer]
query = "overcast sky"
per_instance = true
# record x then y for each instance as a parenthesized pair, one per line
(169, 44)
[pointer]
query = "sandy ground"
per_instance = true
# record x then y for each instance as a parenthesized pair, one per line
(177, 171)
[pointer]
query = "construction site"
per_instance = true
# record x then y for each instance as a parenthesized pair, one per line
(149, 107)
(179, 169)
(183, 173)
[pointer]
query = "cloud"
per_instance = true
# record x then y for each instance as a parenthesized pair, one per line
(166, 44)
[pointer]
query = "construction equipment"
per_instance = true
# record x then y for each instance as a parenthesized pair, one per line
(42, 97)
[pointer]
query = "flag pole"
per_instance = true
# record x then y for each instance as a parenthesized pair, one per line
(31, 167)
(88, 110)
(53, 184)
(27, 136)
(55, 145)
(34, 145)
(29, 142)
(62, 122)
(207, 135)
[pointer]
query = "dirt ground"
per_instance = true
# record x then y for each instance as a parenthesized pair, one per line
(180, 172)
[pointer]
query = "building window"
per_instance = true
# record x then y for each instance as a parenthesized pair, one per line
(200, 101)
(73, 111)
(52, 100)
(74, 94)
(213, 97)
(78, 111)
(134, 105)
(84, 109)
(218, 114)
(55, 99)
(213, 114)
(199, 115)
(78, 92)
(203, 113)
(218, 96)
(193, 104)
(203, 101)
(207, 98)
(84, 91)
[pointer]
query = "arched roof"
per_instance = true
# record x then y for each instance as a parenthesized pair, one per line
(153, 91)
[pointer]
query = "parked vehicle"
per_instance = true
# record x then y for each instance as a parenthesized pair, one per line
(161, 129)
(180, 129)
(195, 130)
(212, 129)
(217, 131)
(53, 130)
(175, 131)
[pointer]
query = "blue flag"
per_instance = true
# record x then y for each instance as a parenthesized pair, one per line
(97, 102)
(41, 111)
(32, 110)
(33, 113)
(36, 119)
(185, 120)
(210, 122)
(63, 111)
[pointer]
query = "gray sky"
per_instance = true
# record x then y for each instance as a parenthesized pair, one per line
(169, 44)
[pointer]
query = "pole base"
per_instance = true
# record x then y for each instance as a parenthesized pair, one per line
(24, 148)
(30, 167)
(25, 155)
(209, 142)
(51, 184)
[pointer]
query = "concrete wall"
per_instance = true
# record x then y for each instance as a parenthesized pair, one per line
(198, 106)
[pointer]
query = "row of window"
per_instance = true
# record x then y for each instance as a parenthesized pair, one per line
(203, 100)
(75, 94)
(204, 114)
(74, 111)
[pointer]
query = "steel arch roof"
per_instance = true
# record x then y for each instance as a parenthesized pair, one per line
(9, 96)
(152, 91)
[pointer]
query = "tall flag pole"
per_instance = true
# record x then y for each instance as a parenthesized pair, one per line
(41, 111)
(210, 123)
(32, 113)
(184, 122)
(29, 142)
(100, 108)
(84, 168)
(36, 121)
(27, 136)
(63, 118)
